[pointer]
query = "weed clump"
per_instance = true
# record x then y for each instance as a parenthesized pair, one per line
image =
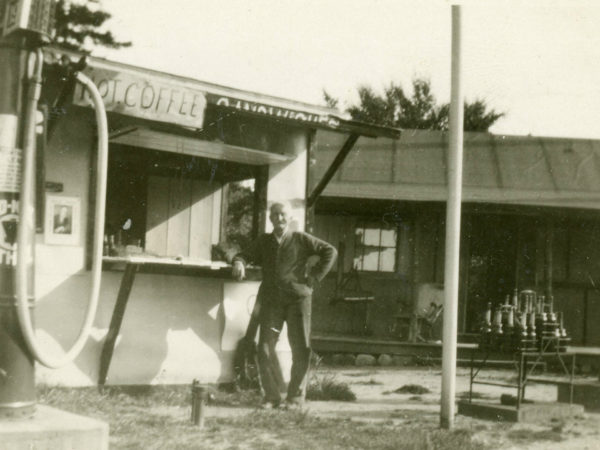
(412, 389)
(371, 382)
(329, 388)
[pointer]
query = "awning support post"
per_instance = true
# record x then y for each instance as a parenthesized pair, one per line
(332, 169)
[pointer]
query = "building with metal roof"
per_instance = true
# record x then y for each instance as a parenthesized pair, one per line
(531, 220)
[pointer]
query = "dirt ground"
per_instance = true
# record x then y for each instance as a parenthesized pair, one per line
(377, 401)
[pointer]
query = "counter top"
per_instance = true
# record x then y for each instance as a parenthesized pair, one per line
(177, 266)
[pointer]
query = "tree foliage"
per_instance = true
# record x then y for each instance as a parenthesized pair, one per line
(417, 110)
(78, 25)
(238, 228)
(330, 101)
(478, 117)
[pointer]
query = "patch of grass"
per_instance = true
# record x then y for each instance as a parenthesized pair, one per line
(361, 374)
(327, 387)
(474, 394)
(158, 418)
(241, 398)
(426, 361)
(538, 435)
(371, 382)
(159, 395)
(313, 432)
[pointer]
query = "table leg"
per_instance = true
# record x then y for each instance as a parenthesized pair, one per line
(525, 375)
(471, 377)
(562, 363)
(571, 378)
(116, 321)
(519, 381)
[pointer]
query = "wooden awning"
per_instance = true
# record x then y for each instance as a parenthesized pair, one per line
(157, 140)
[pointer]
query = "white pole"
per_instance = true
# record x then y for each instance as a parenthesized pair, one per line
(455, 156)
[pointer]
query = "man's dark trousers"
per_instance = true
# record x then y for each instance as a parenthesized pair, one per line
(296, 313)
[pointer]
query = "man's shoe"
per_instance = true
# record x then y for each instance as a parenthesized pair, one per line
(269, 405)
(294, 404)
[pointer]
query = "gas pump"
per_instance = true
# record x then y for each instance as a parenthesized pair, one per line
(25, 26)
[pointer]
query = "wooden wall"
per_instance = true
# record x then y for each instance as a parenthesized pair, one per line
(393, 291)
(183, 217)
(576, 275)
(420, 259)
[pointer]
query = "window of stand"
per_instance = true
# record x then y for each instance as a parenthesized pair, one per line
(171, 205)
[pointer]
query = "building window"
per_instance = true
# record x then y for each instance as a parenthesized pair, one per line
(171, 205)
(375, 247)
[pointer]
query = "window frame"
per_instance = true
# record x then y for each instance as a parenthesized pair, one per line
(370, 223)
(147, 156)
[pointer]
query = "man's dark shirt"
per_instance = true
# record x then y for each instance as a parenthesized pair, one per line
(284, 264)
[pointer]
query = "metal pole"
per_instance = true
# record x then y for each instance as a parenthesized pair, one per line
(451, 269)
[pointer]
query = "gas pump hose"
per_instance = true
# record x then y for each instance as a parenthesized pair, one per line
(25, 246)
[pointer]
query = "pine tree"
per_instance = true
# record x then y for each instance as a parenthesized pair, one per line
(79, 25)
(418, 110)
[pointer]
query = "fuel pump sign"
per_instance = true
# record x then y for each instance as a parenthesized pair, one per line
(9, 210)
(10, 181)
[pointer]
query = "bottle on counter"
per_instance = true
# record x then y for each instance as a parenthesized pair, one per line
(540, 322)
(531, 327)
(552, 328)
(564, 337)
(505, 308)
(497, 325)
(112, 251)
(486, 328)
(509, 330)
(497, 329)
(515, 300)
(521, 338)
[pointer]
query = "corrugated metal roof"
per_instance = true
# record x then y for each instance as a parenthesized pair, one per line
(496, 169)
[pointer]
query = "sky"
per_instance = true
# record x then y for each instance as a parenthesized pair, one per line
(537, 61)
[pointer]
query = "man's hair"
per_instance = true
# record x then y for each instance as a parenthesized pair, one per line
(285, 205)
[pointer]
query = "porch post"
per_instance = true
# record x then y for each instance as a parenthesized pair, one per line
(548, 258)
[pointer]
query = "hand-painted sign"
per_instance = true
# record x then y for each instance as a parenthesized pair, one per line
(274, 111)
(10, 169)
(9, 210)
(146, 97)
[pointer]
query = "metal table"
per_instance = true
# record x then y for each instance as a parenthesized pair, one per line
(526, 362)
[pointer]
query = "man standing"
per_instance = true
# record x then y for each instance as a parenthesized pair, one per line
(285, 295)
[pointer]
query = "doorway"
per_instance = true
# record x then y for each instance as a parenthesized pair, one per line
(501, 257)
